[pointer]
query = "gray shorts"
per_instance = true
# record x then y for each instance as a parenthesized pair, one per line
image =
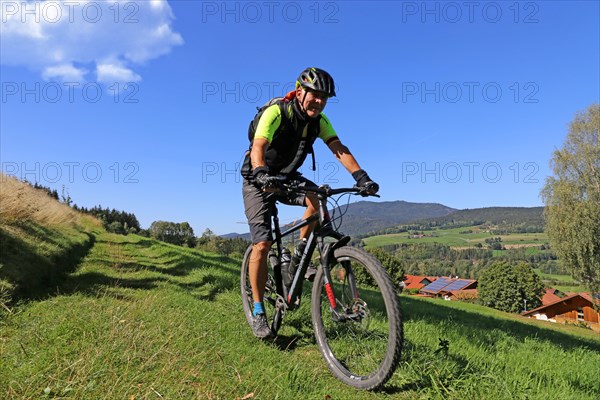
(258, 206)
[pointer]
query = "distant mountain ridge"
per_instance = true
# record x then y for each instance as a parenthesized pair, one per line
(370, 218)
(364, 217)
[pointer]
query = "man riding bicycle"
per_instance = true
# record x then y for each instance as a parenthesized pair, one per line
(282, 138)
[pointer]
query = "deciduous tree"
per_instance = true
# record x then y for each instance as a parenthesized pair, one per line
(572, 198)
(507, 287)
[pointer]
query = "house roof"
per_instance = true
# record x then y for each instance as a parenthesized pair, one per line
(447, 285)
(589, 297)
(416, 281)
(550, 296)
(414, 285)
(437, 285)
(415, 278)
(585, 296)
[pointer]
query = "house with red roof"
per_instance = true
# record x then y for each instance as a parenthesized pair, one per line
(417, 282)
(575, 308)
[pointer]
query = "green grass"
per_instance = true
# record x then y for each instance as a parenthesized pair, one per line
(555, 277)
(571, 288)
(564, 283)
(141, 319)
(457, 238)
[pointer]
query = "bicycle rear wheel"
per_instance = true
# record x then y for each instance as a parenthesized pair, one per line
(273, 314)
(361, 341)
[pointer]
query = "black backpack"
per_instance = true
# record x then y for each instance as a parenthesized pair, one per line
(282, 101)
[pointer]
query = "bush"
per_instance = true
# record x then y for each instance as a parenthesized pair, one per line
(506, 287)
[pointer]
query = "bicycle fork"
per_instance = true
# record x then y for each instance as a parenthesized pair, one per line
(346, 313)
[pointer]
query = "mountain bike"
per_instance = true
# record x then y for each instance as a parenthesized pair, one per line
(355, 309)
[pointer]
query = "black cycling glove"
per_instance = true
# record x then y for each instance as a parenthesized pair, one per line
(364, 182)
(265, 181)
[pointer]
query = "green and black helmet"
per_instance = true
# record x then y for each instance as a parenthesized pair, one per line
(316, 79)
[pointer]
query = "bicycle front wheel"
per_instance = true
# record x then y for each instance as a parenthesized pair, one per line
(361, 338)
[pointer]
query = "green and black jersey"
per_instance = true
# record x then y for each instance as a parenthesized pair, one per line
(290, 136)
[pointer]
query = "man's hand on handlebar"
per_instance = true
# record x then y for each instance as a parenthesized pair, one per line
(369, 188)
(266, 182)
(364, 183)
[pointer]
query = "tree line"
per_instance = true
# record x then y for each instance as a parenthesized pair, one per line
(182, 234)
(114, 221)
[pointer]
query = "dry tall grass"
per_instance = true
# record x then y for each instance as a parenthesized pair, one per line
(19, 202)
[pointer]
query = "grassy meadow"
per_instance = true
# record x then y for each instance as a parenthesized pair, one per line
(132, 318)
(564, 283)
(141, 319)
(458, 237)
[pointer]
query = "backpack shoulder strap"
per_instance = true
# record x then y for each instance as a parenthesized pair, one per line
(314, 134)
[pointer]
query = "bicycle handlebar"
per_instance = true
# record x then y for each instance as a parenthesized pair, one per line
(327, 191)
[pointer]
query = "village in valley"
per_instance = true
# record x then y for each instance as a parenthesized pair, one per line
(557, 306)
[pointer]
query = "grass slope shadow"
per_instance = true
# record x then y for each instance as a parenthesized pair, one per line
(33, 275)
(142, 264)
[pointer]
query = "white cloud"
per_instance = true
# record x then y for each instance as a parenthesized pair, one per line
(64, 72)
(53, 36)
(108, 73)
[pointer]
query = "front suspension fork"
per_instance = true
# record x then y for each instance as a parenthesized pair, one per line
(326, 262)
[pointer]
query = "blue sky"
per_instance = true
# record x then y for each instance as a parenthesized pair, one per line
(144, 106)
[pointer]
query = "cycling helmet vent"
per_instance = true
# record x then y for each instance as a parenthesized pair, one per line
(316, 79)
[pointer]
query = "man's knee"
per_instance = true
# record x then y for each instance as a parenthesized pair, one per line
(261, 248)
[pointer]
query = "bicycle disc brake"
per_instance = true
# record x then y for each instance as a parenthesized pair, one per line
(357, 312)
(360, 312)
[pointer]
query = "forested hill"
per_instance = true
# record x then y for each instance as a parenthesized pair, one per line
(505, 216)
(501, 219)
(364, 217)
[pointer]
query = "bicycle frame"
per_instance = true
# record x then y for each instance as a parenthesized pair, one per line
(292, 296)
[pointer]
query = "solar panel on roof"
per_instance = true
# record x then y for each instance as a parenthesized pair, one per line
(457, 285)
(437, 285)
